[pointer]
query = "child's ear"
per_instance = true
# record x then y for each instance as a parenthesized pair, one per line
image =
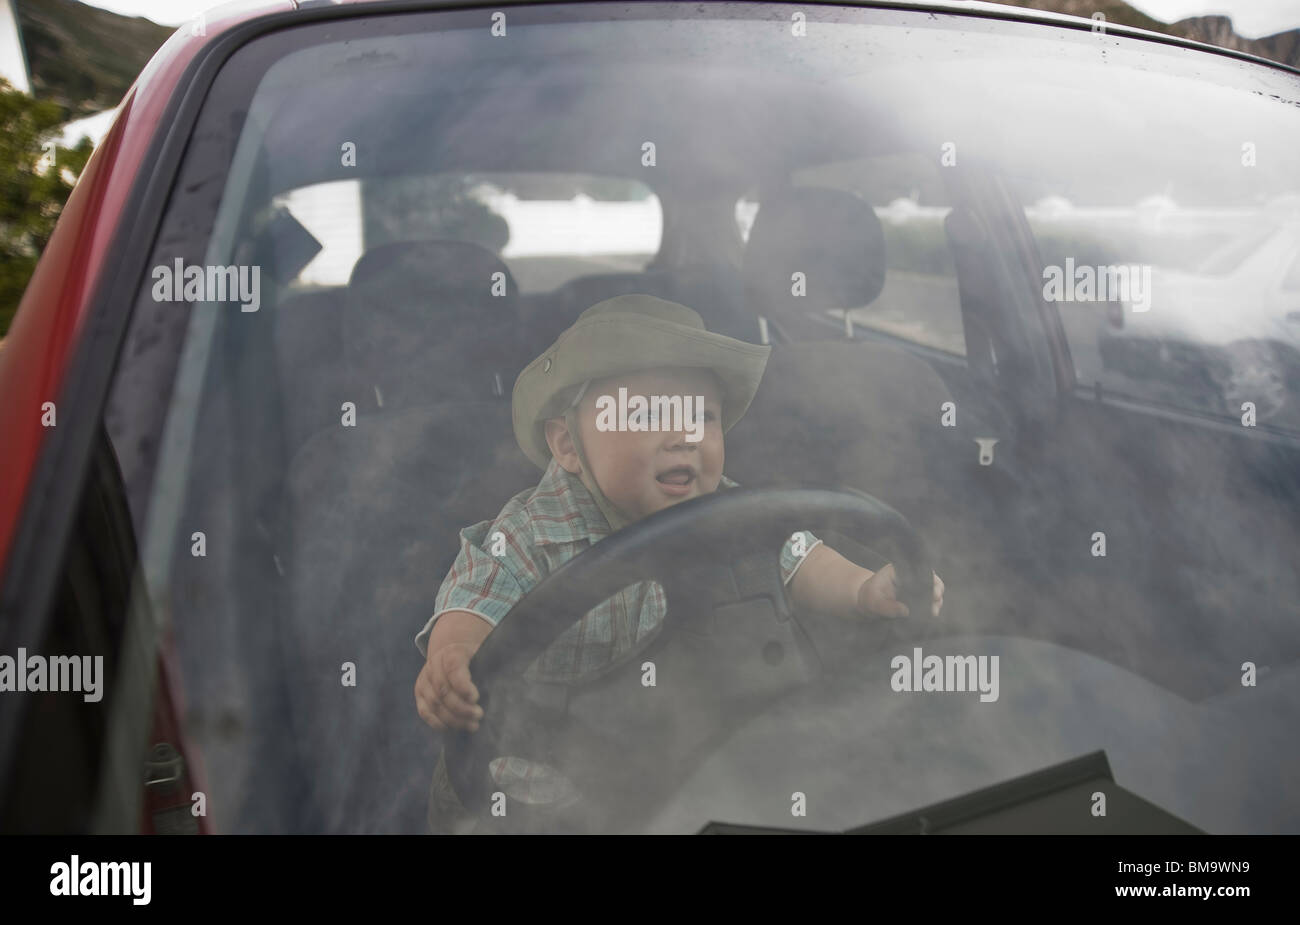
(562, 448)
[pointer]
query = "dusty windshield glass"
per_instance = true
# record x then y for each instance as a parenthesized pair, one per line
(562, 284)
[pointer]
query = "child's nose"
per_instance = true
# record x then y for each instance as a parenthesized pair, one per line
(677, 439)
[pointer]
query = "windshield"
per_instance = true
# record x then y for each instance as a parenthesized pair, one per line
(961, 264)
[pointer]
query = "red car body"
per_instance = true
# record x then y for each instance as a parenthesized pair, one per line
(55, 309)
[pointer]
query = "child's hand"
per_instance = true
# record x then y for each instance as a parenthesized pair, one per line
(878, 595)
(445, 696)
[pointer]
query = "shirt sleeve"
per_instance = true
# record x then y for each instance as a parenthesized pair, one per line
(794, 552)
(796, 548)
(478, 582)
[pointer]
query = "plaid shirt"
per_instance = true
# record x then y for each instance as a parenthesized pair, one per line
(501, 560)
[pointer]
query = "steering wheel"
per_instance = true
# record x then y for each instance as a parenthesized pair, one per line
(726, 648)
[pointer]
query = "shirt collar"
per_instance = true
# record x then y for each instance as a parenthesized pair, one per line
(569, 511)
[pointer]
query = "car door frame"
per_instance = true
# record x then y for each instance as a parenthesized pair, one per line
(54, 497)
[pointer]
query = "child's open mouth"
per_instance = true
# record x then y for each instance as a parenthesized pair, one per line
(677, 480)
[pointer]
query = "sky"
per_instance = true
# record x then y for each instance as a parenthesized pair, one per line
(1251, 18)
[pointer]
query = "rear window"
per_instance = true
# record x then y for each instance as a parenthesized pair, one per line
(548, 228)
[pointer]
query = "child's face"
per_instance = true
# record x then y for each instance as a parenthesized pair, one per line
(644, 472)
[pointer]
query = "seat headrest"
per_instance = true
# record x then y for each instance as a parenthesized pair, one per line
(422, 325)
(831, 236)
(426, 267)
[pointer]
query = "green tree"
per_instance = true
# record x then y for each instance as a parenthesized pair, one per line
(32, 191)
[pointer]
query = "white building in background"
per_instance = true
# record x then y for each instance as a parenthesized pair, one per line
(13, 59)
(13, 68)
(93, 127)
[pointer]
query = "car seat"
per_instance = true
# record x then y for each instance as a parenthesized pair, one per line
(859, 413)
(372, 519)
(431, 321)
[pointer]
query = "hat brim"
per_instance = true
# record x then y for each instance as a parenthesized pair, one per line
(616, 343)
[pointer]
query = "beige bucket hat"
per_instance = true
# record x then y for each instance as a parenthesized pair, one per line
(626, 334)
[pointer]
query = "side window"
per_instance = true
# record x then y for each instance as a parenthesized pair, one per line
(1174, 306)
(87, 704)
(919, 304)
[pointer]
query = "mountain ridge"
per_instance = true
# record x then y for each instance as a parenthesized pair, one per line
(1283, 47)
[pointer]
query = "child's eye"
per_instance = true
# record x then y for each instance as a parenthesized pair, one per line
(710, 416)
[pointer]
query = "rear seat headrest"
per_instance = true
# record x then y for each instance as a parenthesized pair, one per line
(427, 267)
(422, 325)
(831, 236)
